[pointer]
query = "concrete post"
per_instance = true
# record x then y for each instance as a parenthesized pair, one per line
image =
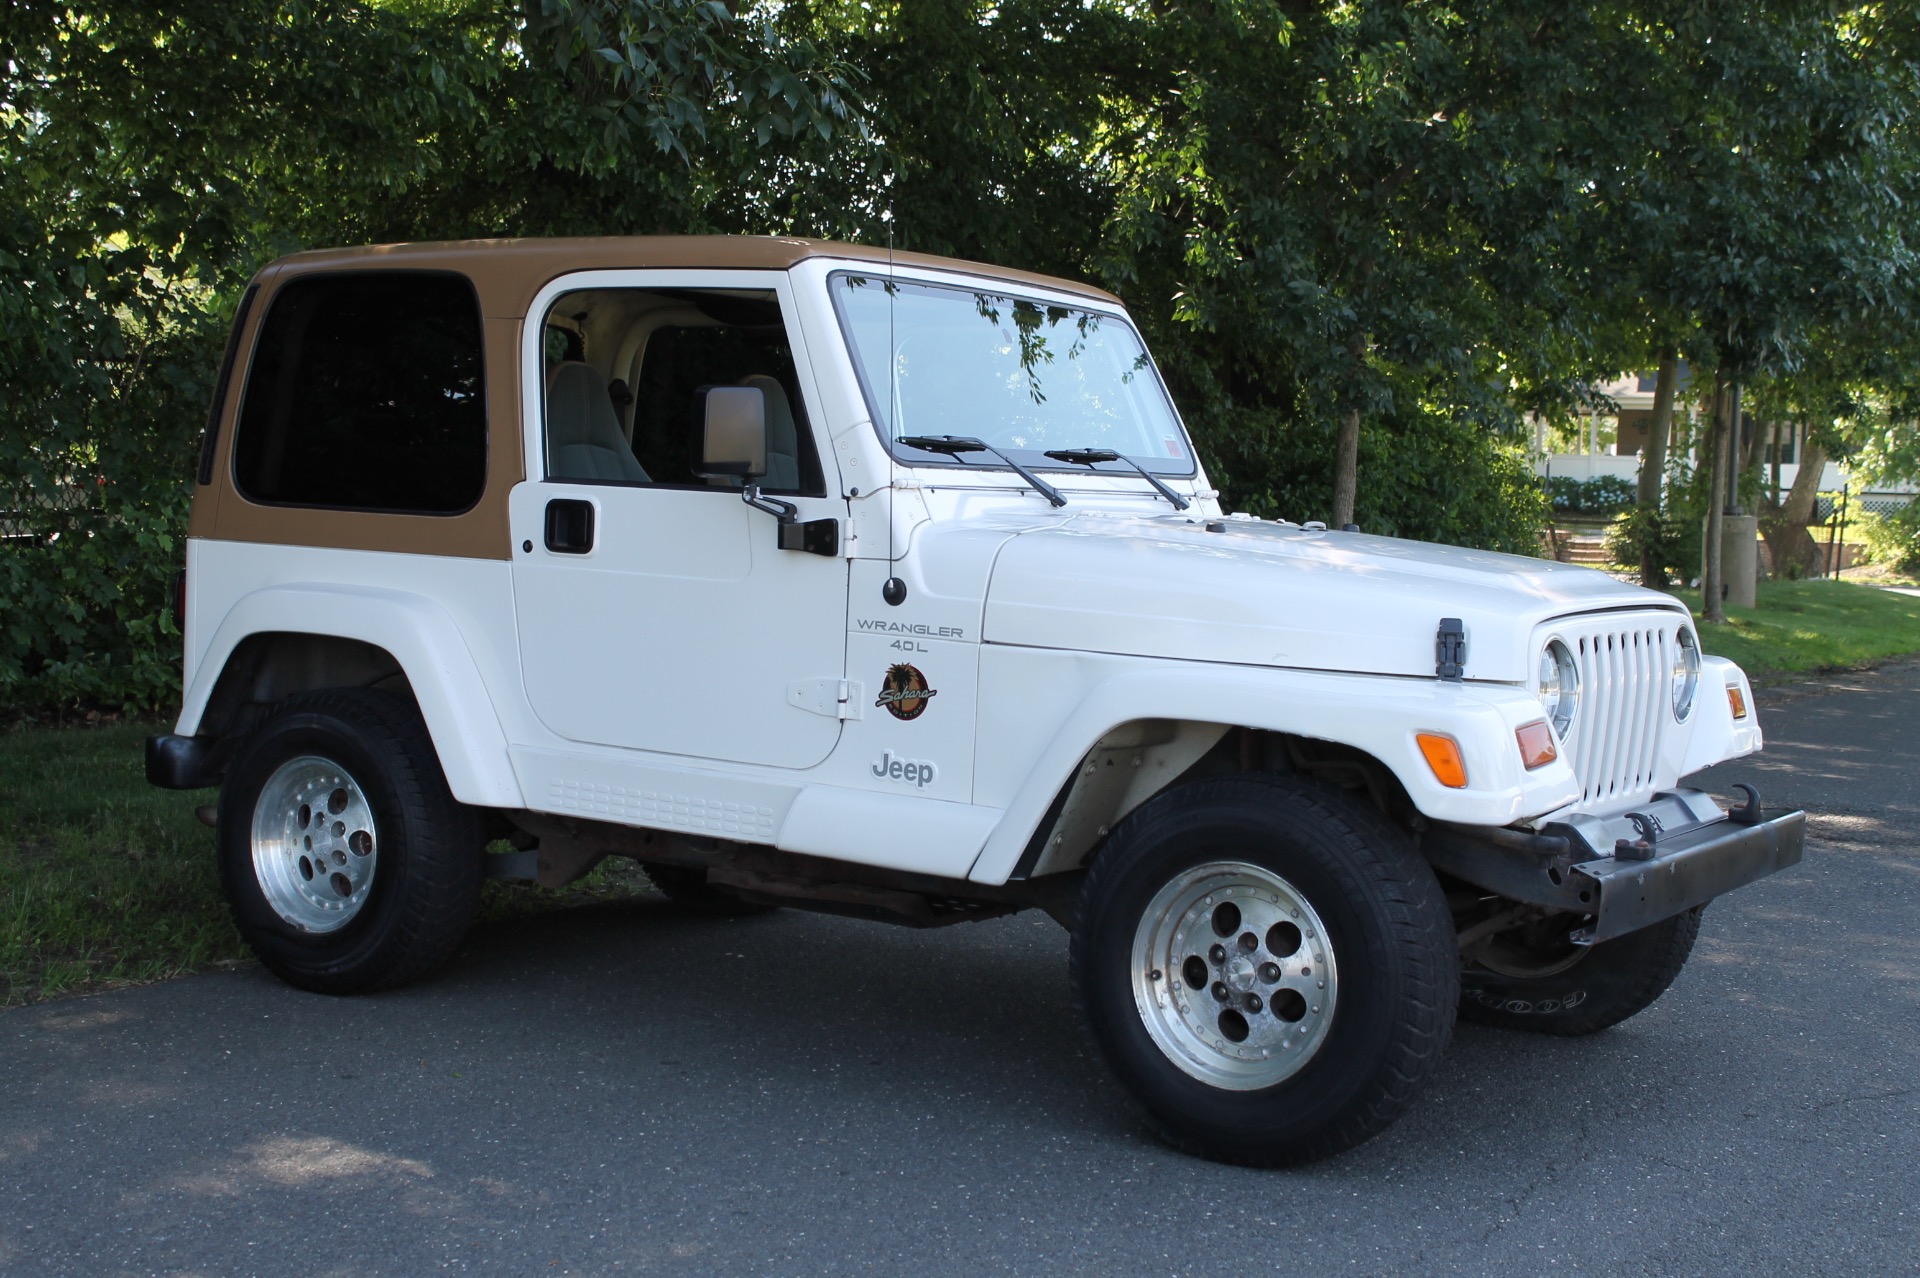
(1740, 557)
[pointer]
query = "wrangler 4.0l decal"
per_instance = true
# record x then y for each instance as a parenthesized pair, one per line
(920, 628)
(905, 692)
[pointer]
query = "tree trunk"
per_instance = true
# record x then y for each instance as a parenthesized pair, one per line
(1714, 608)
(1653, 466)
(1346, 468)
(1789, 540)
(1653, 462)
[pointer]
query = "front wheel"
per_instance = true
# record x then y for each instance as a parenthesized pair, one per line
(1267, 967)
(347, 863)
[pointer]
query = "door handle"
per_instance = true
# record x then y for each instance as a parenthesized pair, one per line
(569, 526)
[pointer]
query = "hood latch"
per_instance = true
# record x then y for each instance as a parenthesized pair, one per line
(1450, 650)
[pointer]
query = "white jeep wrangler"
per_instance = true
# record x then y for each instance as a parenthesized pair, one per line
(809, 574)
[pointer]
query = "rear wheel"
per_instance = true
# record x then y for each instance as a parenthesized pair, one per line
(1267, 967)
(1534, 979)
(347, 863)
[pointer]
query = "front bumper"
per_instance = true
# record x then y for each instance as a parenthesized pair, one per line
(1677, 858)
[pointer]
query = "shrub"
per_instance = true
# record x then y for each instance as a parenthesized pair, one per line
(1669, 539)
(1601, 495)
(1423, 475)
(1893, 539)
(106, 375)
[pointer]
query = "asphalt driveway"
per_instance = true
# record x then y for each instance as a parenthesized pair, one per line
(627, 1088)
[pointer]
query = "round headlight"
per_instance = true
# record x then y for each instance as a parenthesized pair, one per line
(1559, 686)
(1686, 672)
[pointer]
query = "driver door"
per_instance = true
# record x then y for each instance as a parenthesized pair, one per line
(655, 609)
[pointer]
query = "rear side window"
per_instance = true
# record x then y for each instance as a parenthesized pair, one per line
(366, 393)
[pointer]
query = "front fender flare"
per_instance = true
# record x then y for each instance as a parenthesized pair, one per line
(1376, 715)
(426, 642)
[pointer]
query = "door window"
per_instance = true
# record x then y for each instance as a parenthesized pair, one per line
(627, 375)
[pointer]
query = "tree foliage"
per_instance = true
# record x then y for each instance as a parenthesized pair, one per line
(1364, 238)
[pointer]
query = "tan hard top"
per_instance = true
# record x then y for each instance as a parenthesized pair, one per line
(508, 273)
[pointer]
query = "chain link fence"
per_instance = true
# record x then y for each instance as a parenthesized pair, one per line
(34, 518)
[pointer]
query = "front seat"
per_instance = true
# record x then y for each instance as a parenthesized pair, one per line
(584, 440)
(783, 437)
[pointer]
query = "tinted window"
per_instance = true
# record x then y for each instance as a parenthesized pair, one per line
(366, 393)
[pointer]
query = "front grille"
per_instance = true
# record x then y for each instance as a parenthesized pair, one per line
(1626, 676)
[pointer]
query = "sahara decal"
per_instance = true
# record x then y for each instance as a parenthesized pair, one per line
(905, 692)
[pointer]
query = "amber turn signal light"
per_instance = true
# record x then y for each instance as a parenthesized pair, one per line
(1536, 744)
(1738, 700)
(1443, 756)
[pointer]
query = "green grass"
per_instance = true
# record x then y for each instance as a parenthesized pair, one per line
(103, 879)
(106, 881)
(1803, 626)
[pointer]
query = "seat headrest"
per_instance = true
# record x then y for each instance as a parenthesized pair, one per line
(578, 409)
(783, 435)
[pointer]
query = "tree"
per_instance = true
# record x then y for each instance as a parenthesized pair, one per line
(158, 153)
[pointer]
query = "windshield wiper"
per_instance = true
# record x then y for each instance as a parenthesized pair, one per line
(954, 445)
(1088, 456)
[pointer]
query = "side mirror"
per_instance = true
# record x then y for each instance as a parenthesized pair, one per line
(733, 444)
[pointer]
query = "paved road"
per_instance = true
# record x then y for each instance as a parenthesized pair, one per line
(624, 1089)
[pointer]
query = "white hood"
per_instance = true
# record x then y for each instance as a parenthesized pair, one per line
(1259, 593)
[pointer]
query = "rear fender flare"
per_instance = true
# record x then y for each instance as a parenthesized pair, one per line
(427, 645)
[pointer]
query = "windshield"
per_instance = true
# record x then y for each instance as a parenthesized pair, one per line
(1021, 375)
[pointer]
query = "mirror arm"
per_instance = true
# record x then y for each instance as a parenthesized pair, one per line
(815, 536)
(785, 511)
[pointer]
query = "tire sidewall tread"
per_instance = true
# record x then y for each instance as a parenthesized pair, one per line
(1392, 940)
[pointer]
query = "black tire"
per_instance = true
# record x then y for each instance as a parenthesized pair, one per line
(1391, 944)
(1591, 990)
(687, 886)
(424, 856)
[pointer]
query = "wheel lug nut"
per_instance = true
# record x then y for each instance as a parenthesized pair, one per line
(1269, 972)
(1249, 942)
(1220, 990)
(1253, 1002)
(1218, 954)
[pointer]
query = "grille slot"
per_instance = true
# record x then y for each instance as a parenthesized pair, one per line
(1615, 747)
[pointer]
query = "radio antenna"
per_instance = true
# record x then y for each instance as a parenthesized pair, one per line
(894, 590)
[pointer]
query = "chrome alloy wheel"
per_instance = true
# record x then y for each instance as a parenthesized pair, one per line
(1233, 975)
(314, 844)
